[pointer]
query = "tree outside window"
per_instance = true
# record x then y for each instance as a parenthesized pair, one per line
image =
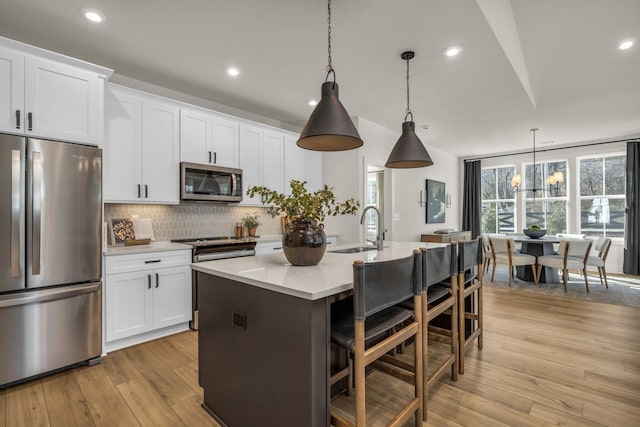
(498, 200)
(602, 195)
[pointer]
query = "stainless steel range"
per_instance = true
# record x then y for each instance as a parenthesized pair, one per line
(212, 248)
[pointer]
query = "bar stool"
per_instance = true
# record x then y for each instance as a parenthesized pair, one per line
(469, 283)
(377, 289)
(439, 296)
(439, 266)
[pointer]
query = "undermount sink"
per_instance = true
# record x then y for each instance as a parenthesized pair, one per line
(354, 250)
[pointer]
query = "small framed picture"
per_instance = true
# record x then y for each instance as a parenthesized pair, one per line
(436, 203)
(121, 231)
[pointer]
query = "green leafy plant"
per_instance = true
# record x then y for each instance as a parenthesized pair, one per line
(534, 227)
(251, 220)
(301, 205)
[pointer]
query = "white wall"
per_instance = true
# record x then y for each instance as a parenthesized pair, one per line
(404, 217)
(571, 155)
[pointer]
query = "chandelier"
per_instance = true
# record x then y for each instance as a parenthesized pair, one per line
(553, 180)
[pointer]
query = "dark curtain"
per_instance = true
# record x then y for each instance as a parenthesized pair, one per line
(632, 211)
(472, 198)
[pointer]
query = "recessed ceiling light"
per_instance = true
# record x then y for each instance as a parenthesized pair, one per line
(452, 50)
(625, 44)
(233, 71)
(313, 103)
(93, 16)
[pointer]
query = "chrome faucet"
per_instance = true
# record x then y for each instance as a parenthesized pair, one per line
(378, 241)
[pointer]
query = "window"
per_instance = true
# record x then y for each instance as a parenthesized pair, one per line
(602, 195)
(498, 200)
(546, 206)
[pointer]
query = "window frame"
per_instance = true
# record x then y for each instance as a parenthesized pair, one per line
(580, 197)
(546, 197)
(498, 200)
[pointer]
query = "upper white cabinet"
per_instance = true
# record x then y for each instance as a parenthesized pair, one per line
(261, 160)
(141, 148)
(208, 138)
(42, 97)
(301, 165)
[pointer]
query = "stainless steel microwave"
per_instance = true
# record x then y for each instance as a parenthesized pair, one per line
(208, 183)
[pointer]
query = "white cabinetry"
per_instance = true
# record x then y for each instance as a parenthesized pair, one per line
(45, 98)
(146, 292)
(141, 148)
(301, 165)
(208, 138)
(261, 160)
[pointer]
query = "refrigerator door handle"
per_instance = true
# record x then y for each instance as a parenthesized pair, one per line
(16, 176)
(48, 295)
(37, 210)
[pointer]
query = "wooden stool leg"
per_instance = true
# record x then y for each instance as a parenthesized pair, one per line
(604, 273)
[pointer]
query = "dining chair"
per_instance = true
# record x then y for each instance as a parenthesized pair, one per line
(505, 253)
(469, 286)
(572, 254)
(602, 246)
(486, 249)
(378, 288)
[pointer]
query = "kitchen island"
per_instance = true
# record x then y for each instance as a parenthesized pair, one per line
(264, 338)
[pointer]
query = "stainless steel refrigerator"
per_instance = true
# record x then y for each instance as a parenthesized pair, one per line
(50, 256)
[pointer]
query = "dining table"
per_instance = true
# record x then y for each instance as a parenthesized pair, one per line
(537, 247)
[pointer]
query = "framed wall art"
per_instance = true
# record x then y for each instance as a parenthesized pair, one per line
(436, 203)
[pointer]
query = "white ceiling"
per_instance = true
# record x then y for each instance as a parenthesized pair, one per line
(551, 64)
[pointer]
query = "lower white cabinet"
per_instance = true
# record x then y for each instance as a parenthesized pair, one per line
(146, 292)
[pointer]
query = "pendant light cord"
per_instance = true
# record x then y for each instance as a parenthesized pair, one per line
(329, 64)
(408, 107)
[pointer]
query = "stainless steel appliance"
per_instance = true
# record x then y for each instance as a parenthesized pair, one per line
(212, 248)
(210, 183)
(50, 256)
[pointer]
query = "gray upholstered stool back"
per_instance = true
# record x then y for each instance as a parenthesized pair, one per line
(469, 255)
(438, 264)
(380, 285)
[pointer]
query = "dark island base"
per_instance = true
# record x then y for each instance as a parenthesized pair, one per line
(263, 356)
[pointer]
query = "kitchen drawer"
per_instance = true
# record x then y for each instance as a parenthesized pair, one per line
(145, 261)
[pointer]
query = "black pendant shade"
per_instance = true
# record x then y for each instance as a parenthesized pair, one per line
(329, 127)
(409, 152)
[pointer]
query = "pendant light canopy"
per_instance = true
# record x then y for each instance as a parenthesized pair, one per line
(409, 152)
(329, 127)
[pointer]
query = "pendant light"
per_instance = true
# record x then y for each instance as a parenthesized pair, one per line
(329, 127)
(409, 152)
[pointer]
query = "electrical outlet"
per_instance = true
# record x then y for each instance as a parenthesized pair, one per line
(240, 320)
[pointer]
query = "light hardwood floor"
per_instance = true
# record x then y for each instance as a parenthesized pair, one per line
(546, 361)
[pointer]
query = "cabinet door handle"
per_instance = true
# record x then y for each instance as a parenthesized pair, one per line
(139, 194)
(149, 281)
(146, 191)
(30, 120)
(209, 156)
(157, 280)
(151, 261)
(17, 119)
(215, 158)
(277, 249)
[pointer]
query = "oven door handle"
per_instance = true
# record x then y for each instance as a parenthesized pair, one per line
(223, 255)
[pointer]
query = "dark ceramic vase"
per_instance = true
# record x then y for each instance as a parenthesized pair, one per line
(303, 243)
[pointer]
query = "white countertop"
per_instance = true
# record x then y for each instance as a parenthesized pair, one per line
(333, 275)
(151, 247)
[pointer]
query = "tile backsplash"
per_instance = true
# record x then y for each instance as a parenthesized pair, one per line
(193, 219)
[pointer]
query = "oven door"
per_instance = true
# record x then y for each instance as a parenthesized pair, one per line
(210, 183)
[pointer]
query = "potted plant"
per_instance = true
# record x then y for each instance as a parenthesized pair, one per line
(251, 222)
(304, 241)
